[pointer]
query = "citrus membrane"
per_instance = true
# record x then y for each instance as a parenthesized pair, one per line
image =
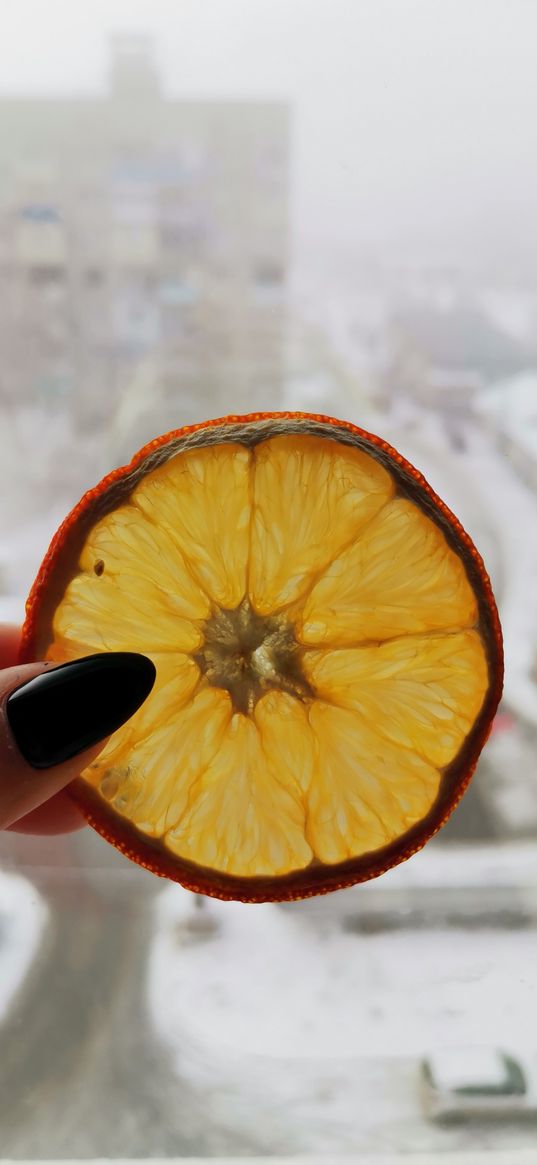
(326, 643)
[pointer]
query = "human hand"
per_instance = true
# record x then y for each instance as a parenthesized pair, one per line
(54, 720)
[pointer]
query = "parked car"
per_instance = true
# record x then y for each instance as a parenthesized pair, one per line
(469, 1083)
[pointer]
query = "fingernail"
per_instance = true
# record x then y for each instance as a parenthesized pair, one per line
(65, 710)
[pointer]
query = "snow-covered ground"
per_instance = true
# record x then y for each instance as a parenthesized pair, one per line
(345, 993)
(268, 985)
(512, 506)
(311, 1036)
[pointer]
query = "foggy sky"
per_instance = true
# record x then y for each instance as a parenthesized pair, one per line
(415, 121)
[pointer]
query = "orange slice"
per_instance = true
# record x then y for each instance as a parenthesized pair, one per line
(327, 647)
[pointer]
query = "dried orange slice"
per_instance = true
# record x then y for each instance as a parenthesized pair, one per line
(327, 647)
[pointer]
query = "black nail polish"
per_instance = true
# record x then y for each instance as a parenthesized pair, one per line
(65, 710)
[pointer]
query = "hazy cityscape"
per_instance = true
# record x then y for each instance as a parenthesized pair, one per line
(155, 271)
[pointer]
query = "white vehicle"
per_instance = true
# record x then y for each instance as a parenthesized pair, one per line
(473, 1083)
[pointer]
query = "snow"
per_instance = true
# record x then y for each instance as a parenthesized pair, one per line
(462, 867)
(453, 1072)
(23, 915)
(514, 507)
(306, 1036)
(511, 406)
(268, 983)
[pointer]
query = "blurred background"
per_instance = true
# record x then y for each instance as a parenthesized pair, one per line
(216, 206)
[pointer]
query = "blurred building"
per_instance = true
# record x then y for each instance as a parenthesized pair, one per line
(138, 231)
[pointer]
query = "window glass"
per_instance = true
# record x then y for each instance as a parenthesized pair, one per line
(222, 207)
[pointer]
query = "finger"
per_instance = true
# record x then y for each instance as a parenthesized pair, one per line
(57, 815)
(54, 721)
(10, 637)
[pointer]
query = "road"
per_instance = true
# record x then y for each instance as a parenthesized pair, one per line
(82, 1073)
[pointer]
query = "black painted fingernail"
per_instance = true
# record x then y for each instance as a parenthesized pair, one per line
(65, 710)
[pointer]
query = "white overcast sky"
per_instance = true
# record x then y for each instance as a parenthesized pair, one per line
(414, 120)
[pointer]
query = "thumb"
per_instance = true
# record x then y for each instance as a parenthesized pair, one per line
(55, 719)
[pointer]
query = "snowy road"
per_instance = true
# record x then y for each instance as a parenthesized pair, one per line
(142, 1031)
(309, 1037)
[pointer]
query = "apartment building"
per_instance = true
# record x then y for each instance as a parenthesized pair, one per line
(143, 251)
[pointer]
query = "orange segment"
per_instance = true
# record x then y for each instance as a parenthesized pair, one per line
(121, 546)
(422, 693)
(286, 739)
(151, 775)
(398, 578)
(130, 617)
(240, 820)
(366, 792)
(311, 498)
(328, 654)
(202, 499)
(133, 591)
